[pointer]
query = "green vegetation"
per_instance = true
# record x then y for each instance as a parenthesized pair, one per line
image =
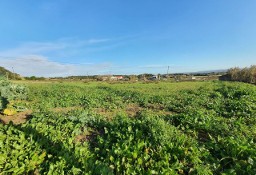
(34, 78)
(133, 128)
(8, 74)
(10, 95)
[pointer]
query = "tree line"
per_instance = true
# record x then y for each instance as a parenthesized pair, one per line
(247, 74)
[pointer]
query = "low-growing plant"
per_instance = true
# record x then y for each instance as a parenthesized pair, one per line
(9, 94)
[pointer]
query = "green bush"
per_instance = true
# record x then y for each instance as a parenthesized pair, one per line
(10, 92)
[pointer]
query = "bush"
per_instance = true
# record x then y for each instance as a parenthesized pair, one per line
(9, 93)
(247, 75)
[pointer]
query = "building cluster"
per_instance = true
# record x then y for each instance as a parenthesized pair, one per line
(111, 78)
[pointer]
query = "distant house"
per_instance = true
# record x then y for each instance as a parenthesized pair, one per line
(110, 78)
(154, 77)
(116, 78)
(119, 77)
(105, 78)
(193, 78)
(102, 78)
(113, 78)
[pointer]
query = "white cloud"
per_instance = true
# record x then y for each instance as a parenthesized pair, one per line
(95, 41)
(44, 48)
(32, 58)
(41, 66)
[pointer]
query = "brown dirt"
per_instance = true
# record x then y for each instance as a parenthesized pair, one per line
(18, 118)
(89, 136)
(156, 106)
(22, 117)
(106, 113)
(81, 138)
(132, 110)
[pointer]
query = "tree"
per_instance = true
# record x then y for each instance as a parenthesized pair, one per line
(233, 72)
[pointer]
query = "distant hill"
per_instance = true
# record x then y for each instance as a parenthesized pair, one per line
(6, 73)
(213, 71)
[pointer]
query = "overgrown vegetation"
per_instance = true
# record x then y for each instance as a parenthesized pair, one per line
(8, 74)
(10, 97)
(247, 74)
(181, 128)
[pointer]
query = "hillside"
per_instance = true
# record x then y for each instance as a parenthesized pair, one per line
(5, 72)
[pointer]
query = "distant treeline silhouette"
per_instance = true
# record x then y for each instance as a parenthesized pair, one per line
(247, 74)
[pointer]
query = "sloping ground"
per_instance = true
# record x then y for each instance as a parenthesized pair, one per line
(9, 74)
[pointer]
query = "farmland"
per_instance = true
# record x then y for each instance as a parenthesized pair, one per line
(132, 128)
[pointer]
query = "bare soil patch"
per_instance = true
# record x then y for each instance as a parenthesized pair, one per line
(133, 109)
(16, 119)
(155, 106)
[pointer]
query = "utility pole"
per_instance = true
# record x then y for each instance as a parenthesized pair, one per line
(167, 75)
(7, 75)
(13, 73)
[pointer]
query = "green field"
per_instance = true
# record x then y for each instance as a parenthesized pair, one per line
(133, 128)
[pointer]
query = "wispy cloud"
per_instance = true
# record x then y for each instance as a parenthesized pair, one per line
(49, 58)
(63, 57)
(44, 48)
(41, 66)
(96, 41)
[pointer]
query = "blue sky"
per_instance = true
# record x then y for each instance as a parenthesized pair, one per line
(80, 37)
